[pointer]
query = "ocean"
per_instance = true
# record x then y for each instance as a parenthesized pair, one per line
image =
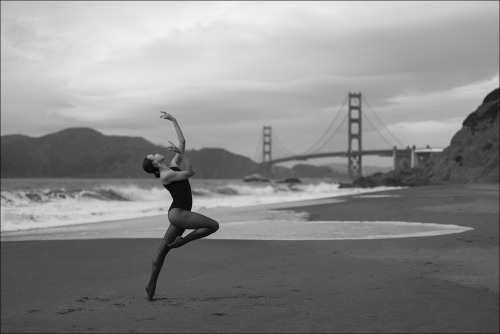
(38, 204)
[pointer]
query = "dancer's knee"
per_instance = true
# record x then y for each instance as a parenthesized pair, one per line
(157, 262)
(214, 226)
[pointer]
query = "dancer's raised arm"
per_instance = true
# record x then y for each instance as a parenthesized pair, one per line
(180, 136)
(176, 161)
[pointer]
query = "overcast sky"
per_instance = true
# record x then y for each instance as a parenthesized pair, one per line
(226, 69)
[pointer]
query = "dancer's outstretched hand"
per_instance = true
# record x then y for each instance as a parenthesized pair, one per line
(167, 116)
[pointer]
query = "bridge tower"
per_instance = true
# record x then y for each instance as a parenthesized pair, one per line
(266, 144)
(354, 137)
(266, 150)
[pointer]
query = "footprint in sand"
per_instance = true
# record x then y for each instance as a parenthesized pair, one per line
(219, 314)
(69, 310)
(85, 299)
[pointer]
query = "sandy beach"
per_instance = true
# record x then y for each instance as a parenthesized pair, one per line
(446, 283)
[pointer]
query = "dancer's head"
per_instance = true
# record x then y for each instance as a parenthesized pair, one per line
(151, 164)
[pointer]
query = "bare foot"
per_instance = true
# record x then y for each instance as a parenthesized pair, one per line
(178, 242)
(150, 290)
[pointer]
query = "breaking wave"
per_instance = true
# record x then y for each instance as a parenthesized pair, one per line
(50, 203)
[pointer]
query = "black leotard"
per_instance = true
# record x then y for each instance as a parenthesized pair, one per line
(181, 193)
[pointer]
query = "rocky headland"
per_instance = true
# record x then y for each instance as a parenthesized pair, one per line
(471, 157)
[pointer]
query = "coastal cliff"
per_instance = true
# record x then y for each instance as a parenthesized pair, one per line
(473, 154)
(471, 157)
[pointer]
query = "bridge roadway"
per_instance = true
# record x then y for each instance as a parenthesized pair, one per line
(382, 152)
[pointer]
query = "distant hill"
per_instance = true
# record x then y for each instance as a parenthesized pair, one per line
(76, 152)
(86, 153)
(218, 163)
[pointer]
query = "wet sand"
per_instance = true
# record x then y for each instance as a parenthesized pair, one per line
(446, 283)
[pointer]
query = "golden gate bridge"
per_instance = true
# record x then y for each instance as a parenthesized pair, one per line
(403, 157)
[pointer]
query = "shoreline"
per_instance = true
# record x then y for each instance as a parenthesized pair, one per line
(27, 207)
(446, 283)
(155, 226)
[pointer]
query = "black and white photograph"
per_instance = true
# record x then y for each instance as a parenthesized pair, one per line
(250, 166)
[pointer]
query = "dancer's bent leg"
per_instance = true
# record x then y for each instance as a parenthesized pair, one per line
(202, 225)
(172, 233)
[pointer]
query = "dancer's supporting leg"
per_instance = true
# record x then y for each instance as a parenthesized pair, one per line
(172, 233)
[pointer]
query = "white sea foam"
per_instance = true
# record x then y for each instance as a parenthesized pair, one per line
(299, 229)
(32, 204)
(377, 196)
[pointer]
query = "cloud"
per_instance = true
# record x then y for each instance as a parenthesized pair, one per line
(227, 68)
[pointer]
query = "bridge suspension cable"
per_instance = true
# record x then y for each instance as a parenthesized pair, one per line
(315, 148)
(332, 134)
(383, 125)
(280, 146)
(257, 156)
(380, 134)
(327, 131)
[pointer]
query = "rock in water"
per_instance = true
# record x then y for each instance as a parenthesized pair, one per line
(256, 177)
